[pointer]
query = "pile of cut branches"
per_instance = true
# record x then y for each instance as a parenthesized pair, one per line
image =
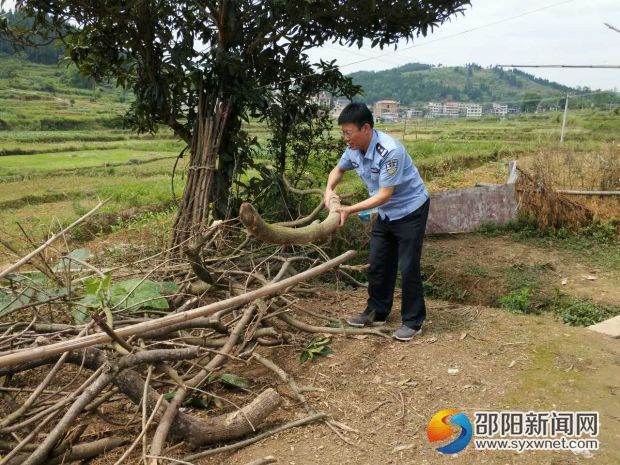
(549, 208)
(96, 359)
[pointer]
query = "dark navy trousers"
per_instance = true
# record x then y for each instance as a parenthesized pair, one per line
(393, 244)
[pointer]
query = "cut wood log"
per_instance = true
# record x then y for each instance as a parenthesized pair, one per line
(594, 193)
(194, 430)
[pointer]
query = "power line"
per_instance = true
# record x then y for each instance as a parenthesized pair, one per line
(612, 27)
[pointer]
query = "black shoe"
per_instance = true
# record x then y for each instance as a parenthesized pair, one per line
(365, 319)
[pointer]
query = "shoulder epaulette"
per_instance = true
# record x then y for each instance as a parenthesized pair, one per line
(381, 150)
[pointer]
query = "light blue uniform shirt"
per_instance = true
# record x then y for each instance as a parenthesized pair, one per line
(386, 163)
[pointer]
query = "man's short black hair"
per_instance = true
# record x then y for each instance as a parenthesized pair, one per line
(356, 113)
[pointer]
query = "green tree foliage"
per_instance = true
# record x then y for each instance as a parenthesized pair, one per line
(530, 102)
(220, 61)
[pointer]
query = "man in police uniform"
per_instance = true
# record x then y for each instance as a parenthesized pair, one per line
(396, 188)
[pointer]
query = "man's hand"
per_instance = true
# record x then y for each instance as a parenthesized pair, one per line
(344, 214)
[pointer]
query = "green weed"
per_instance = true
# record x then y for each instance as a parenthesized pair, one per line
(517, 301)
(476, 270)
(315, 346)
(581, 312)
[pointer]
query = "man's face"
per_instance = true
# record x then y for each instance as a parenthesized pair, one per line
(356, 138)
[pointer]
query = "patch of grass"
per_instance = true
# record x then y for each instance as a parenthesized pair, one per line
(517, 301)
(438, 288)
(521, 275)
(46, 162)
(476, 270)
(581, 312)
(146, 219)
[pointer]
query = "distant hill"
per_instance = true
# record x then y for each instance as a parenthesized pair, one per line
(46, 53)
(50, 97)
(417, 83)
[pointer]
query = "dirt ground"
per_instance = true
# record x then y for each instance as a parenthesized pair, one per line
(479, 266)
(470, 358)
(387, 391)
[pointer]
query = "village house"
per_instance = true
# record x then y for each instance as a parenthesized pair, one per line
(323, 99)
(434, 109)
(386, 107)
(451, 109)
(470, 110)
(339, 105)
(414, 113)
(500, 110)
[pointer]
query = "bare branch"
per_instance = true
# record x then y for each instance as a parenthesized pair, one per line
(27, 355)
(51, 240)
(612, 27)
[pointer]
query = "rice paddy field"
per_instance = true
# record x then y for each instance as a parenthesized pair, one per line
(63, 147)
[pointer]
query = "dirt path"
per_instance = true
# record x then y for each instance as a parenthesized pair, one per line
(388, 391)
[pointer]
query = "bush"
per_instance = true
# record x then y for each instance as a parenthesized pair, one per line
(581, 312)
(516, 301)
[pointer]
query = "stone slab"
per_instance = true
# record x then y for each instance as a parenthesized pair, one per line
(609, 327)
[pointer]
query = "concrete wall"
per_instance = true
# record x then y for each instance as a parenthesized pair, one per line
(465, 210)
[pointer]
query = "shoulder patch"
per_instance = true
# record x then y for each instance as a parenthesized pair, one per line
(381, 150)
(392, 166)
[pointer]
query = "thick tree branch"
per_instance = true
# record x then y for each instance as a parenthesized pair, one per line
(276, 234)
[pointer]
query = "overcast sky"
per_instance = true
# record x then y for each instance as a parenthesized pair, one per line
(571, 32)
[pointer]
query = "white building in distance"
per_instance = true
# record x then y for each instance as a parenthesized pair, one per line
(435, 109)
(470, 110)
(500, 110)
(323, 99)
(451, 109)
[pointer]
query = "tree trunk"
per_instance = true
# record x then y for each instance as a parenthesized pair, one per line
(211, 128)
(226, 205)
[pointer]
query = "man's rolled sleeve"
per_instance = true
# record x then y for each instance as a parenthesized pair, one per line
(392, 169)
(345, 162)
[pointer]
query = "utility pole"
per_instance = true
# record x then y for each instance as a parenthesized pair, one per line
(404, 127)
(564, 120)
